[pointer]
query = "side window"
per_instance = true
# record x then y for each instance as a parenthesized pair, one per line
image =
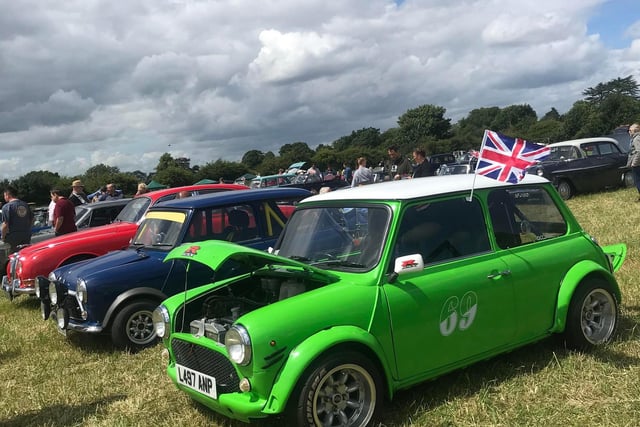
(590, 149)
(239, 223)
(523, 216)
(605, 148)
(442, 230)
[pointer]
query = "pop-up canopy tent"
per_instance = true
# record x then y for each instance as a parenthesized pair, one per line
(154, 185)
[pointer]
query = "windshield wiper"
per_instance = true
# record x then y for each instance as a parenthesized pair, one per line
(341, 263)
(299, 258)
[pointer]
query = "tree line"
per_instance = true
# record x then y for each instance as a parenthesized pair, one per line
(603, 108)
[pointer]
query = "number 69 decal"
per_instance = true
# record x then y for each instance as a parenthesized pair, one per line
(458, 313)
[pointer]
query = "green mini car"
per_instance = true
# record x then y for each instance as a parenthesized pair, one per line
(374, 289)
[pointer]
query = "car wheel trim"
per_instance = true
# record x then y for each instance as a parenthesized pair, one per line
(140, 328)
(346, 395)
(598, 316)
(564, 188)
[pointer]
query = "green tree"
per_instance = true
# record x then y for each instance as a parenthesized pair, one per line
(252, 158)
(296, 152)
(35, 186)
(166, 161)
(365, 137)
(514, 120)
(226, 170)
(417, 124)
(174, 176)
(626, 86)
(98, 176)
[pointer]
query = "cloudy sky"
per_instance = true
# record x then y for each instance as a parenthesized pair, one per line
(84, 82)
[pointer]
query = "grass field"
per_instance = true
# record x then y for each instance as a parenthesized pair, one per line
(47, 380)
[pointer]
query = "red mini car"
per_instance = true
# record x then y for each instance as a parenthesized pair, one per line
(42, 258)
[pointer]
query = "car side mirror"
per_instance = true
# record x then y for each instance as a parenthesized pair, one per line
(408, 264)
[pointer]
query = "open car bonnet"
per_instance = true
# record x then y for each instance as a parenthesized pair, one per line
(214, 253)
(616, 253)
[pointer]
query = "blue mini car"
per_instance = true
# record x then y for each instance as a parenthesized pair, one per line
(116, 293)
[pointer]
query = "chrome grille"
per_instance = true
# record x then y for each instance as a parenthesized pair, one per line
(208, 362)
(13, 266)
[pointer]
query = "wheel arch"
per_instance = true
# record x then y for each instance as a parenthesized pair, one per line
(584, 270)
(76, 258)
(130, 296)
(304, 355)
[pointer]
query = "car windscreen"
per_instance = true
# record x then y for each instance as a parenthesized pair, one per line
(134, 210)
(345, 237)
(160, 230)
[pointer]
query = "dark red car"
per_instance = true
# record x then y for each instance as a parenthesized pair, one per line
(42, 258)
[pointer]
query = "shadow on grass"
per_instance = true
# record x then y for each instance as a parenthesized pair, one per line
(60, 414)
(473, 379)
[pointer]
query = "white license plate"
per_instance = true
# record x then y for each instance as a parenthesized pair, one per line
(197, 381)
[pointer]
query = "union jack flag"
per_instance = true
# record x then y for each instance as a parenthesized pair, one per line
(506, 159)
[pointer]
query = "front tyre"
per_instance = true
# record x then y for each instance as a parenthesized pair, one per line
(133, 326)
(593, 315)
(339, 390)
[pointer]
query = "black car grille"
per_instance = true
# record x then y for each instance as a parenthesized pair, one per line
(208, 362)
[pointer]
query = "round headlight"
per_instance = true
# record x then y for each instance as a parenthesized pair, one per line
(540, 172)
(81, 290)
(160, 320)
(53, 294)
(238, 345)
(52, 276)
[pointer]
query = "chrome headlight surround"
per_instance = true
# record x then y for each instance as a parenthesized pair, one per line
(81, 290)
(53, 293)
(161, 324)
(238, 345)
(540, 172)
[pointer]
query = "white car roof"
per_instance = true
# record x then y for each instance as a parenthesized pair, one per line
(577, 142)
(407, 189)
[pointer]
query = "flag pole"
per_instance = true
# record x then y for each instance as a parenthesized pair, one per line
(475, 171)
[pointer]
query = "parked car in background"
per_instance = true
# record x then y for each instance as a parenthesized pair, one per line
(42, 258)
(271, 180)
(373, 289)
(455, 169)
(314, 182)
(116, 293)
(585, 165)
(89, 215)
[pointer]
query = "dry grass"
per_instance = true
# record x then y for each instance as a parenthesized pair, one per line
(51, 381)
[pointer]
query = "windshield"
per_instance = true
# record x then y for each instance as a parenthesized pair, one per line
(347, 237)
(160, 230)
(134, 210)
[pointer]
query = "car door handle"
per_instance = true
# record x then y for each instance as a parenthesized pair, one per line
(498, 274)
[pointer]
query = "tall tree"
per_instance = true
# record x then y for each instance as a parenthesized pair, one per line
(626, 86)
(424, 121)
(252, 158)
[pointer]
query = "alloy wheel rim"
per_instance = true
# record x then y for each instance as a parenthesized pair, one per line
(598, 316)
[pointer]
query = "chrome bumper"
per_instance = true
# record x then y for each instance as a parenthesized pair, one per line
(72, 325)
(12, 288)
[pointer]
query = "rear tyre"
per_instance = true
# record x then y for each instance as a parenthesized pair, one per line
(593, 315)
(565, 189)
(341, 389)
(132, 327)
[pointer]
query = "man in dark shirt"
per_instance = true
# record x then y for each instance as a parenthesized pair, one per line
(17, 220)
(397, 166)
(422, 165)
(78, 196)
(64, 214)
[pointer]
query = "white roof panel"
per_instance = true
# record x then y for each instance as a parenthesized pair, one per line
(407, 189)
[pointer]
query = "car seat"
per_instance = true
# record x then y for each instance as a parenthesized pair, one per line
(238, 226)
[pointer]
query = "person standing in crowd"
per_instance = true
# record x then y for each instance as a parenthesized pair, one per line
(422, 165)
(142, 188)
(64, 214)
(111, 194)
(17, 220)
(347, 172)
(78, 196)
(362, 175)
(397, 166)
(634, 154)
